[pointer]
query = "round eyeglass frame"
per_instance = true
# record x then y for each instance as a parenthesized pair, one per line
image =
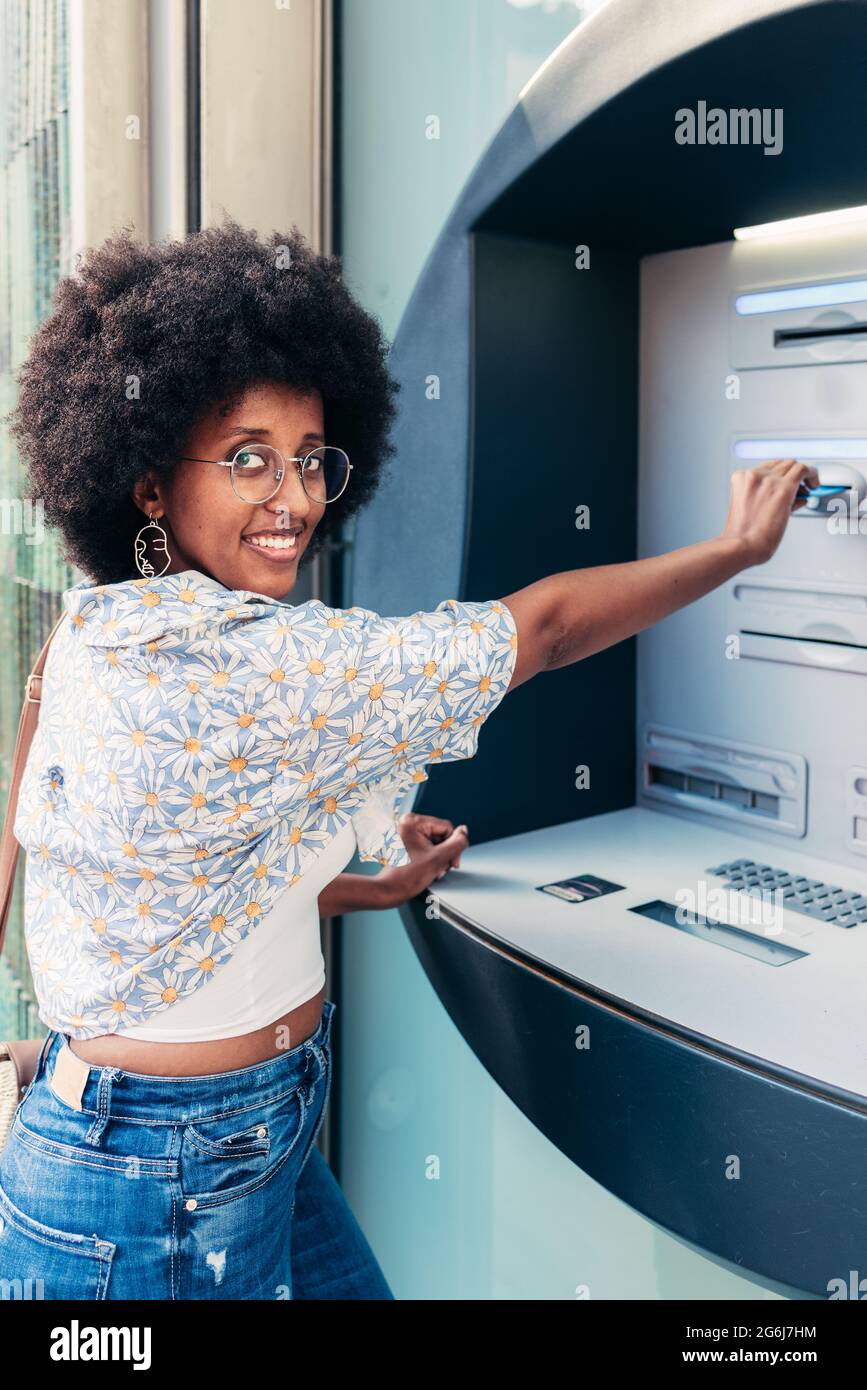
(300, 462)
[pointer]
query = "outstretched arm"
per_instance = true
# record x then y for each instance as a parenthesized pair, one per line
(575, 613)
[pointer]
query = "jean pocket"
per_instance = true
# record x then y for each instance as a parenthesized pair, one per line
(253, 1141)
(41, 1262)
(222, 1158)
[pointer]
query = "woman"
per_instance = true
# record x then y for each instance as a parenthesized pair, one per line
(199, 417)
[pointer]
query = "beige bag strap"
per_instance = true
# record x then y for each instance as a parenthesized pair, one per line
(9, 846)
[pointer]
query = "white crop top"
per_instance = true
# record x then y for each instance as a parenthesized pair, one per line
(274, 968)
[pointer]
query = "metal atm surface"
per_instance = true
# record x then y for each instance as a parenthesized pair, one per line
(802, 1019)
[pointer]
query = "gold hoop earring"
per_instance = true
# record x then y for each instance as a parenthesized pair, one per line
(152, 531)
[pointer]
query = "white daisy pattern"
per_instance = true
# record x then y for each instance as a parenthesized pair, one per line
(198, 748)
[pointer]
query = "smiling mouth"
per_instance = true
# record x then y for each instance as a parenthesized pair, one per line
(277, 547)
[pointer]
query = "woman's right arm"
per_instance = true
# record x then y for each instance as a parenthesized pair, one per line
(575, 613)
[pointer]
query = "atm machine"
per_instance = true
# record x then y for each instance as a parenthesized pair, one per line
(588, 355)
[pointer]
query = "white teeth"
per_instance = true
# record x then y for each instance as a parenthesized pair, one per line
(273, 542)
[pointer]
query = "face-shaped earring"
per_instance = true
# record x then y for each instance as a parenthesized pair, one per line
(159, 541)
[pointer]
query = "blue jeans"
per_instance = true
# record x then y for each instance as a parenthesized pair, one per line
(180, 1187)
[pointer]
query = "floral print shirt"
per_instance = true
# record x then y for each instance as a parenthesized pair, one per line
(198, 747)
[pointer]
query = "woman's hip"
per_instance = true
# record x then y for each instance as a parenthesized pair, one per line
(115, 1185)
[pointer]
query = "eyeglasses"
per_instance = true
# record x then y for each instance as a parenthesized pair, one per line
(259, 469)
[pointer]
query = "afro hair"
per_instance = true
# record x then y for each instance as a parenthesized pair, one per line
(143, 338)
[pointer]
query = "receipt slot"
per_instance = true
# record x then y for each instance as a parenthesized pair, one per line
(587, 357)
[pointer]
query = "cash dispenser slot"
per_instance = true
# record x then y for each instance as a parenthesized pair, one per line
(798, 337)
(722, 777)
(819, 623)
(808, 322)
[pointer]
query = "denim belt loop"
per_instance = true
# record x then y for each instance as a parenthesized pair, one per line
(310, 1081)
(43, 1053)
(107, 1075)
(317, 1050)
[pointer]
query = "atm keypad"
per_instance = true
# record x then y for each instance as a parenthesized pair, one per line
(824, 901)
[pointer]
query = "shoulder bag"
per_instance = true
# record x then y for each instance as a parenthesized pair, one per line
(18, 1059)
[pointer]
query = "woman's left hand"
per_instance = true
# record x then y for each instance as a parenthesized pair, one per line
(420, 832)
(434, 846)
(396, 884)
